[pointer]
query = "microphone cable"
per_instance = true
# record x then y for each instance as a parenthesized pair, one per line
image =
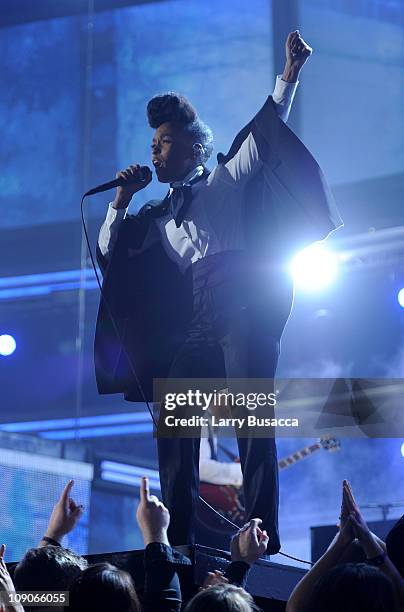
(135, 376)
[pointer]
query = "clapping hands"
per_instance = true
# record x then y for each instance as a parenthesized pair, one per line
(351, 513)
(346, 533)
(353, 525)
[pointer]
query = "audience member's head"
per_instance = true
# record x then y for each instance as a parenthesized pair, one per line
(50, 568)
(395, 545)
(222, 598)
(353, 587)
(103, 587)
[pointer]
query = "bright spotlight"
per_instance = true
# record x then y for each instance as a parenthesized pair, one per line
(314, 267)
(400, 298)
(7, 345)
(402, 449)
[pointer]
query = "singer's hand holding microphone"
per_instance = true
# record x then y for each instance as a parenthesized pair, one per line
(134, 179)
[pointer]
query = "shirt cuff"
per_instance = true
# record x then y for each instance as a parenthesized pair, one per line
(284, 91)
(115, 215)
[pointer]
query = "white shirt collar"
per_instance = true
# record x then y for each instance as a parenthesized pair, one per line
(195, 172)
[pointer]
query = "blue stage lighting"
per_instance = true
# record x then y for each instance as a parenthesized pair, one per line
(400, 298)
(7, 345)
(314, 268)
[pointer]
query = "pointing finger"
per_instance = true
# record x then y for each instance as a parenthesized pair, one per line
(64, 498)
(144, 490)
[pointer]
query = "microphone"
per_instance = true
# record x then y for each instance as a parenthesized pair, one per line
(141, 177)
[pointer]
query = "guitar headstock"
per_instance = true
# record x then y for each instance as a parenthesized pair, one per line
(330, 444)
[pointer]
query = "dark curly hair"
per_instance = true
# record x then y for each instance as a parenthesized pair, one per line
(176, 108)
(49, 568)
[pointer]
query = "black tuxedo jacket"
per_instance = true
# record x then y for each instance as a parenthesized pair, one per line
(147, 302)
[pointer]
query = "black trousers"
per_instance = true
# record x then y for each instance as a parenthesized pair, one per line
(225, 332)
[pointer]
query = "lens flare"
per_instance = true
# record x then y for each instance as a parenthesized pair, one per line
(314, 268)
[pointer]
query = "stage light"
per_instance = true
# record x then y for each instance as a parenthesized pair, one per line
(7, 345)
(400, 298)
(314, 268)
(402, 449)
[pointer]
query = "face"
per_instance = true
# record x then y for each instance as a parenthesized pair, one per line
(172, 153)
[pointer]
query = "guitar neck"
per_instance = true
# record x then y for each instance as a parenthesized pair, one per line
(298, 455)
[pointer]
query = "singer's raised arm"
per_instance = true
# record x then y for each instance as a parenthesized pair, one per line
(249, 151)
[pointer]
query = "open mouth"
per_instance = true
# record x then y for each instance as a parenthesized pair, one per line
(157, 163)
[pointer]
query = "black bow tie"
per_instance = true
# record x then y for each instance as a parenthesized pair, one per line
(179, 202)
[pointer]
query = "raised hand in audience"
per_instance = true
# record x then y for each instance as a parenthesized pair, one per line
(64, 518)
(373, 548)
(302, 593)
(369, 542)
(345, 535)
(352, 525)
(6, 584)
(249, 543)
(152, 516)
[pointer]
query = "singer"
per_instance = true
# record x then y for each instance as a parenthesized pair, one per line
(197, 283)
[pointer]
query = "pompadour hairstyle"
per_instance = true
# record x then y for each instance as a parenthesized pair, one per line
(175, 108)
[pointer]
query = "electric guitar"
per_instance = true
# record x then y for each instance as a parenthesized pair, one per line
(228, 499)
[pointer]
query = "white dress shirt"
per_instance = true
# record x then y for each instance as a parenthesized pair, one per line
(217, 472)
(213, 222)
